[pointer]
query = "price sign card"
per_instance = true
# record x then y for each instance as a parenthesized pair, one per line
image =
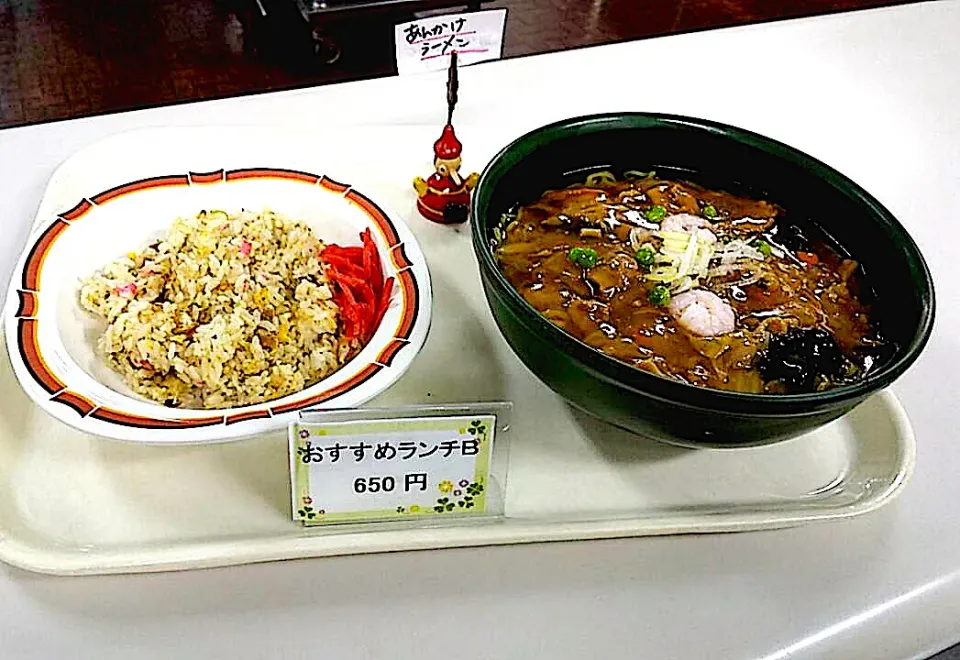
(425, 44)
(366, 470)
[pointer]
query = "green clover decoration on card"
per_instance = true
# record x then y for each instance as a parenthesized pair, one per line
(307, 511)
(463, 496)
(477, 428)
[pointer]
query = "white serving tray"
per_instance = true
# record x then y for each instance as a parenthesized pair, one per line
(74, 504)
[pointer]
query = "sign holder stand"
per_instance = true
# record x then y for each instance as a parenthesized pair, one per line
(412, 466)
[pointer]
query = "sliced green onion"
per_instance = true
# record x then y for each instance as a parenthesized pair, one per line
(645, 257)
(710, 211)
(663, 274)
(659, 295)
(675, 245)
(764, 248)
(656, 213)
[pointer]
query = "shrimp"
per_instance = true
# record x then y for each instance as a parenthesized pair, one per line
(703, 313)
(688, 224)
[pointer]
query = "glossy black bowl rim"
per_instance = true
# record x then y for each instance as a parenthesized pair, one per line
(668, 390)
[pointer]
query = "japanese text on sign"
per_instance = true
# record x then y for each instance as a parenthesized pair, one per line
(404, 450)
(425, 44)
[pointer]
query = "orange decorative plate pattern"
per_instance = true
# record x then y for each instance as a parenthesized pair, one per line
(52, 341)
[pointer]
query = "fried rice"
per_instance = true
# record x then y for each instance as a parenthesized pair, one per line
(225, 310)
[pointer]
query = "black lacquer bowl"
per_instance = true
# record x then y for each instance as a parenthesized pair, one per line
(722, 157)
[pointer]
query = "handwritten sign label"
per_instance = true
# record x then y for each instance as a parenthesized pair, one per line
(390, 469)
(425, 44)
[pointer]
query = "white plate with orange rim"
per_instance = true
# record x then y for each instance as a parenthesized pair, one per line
(52, 340)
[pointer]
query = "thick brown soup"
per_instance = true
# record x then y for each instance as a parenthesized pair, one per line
(701, 286)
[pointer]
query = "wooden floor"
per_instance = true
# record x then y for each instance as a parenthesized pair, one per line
(69, 58)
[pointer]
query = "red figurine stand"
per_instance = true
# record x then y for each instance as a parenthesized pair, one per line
(445, 196)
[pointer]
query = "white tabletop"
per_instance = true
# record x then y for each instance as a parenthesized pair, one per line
(874, 94)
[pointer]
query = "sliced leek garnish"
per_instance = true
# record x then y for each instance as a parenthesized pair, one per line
(683, 258)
